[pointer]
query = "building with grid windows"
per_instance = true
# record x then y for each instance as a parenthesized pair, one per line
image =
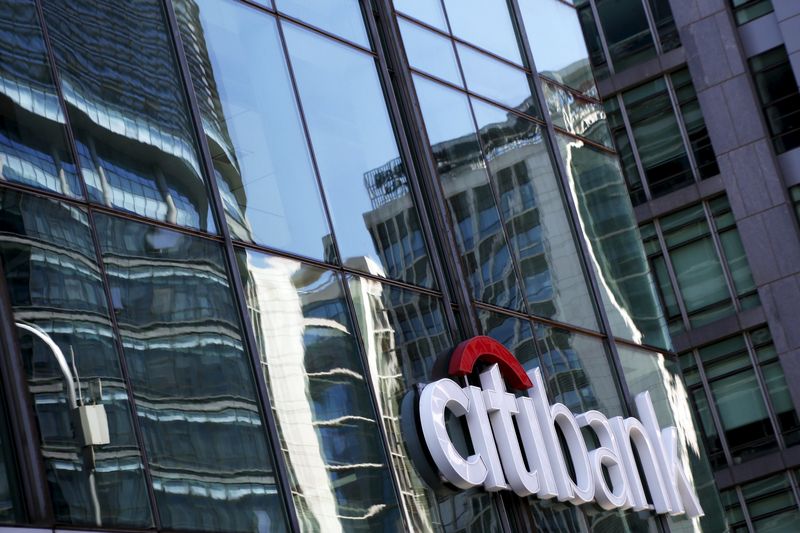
(702, 103)
(245, 234)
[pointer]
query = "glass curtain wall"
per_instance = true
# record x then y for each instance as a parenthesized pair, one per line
(214, 214)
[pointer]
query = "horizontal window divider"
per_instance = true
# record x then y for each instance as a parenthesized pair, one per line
(98, 208)
(459, 40)
(574, 92)
(331, 267)
(288, 18)
(538, 319)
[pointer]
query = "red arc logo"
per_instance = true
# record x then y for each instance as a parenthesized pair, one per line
(489, 351)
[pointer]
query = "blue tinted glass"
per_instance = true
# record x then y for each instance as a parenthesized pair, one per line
(484, 23)
(252, 126)
(192, 379)
(340, 17)
(496, 80)
(430, 52)
(125, 101)
(428, 11)
(484, 251)
(365, 180)
(33, 146)
(55, 286)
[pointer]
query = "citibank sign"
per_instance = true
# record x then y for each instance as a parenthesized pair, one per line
(516, 444)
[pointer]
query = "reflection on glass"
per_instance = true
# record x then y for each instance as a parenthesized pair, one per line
(33, 147)
(484, 252)
(376, 222)
(340, 17)
(315, 375)
(513, 333)
(535, 216)
(658, 137)
(484, 23)
(578, 372)
(253, 127)
(428, 11)
(653, 372)
(557, 43)
(627, 32)
(50, 264)
(496, 80)
(126, 108)
(206, 444)
(404, 334)
(429, 52)
(615, 250)
(576, 115)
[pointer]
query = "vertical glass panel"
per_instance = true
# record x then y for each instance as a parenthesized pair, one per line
(658, 137)
(535, 216)
(626, 30)
(625, 151)
(594, 44)
(326, 419)
(747, 10)
(558, 47)
(577, 370)
(496, 80)
(712, 440)
(576, 115)
(56, 286)
(695, 124)
(404, 334)
(658, 375)
(430, 52)
(365, 180)
(743, 414)
(615, 249)
(513, 333)
(701, 281)
(33, 146)
(780, 100)
(428, 11)
(782, 405)
(484, 252)
(484, 23)
(665, 24)
(126, 106)
(340, 17)
(192, 379)
(252, 126)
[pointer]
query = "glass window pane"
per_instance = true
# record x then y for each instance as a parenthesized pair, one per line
(253, 127)
(712, 441)
(404, 334)
(557, 43)
(513, 333)
(315, 375)
(695, 124)
(496, 80)
(430, 52)
(576, 115)
(126, 106)
(627, 32)
(615, 250)
(340, 17)
(699, 274)
(737, 262)
(780, 100)
(55, 284)
(10, 504)
(484, 23)
(658, 375)
(665, 24)
(33, 146)
(365, 180)
(484, 252)
(775, 383)
(192, 379)
(535, 216)
(428, 11)
(578, 372)
(658, 137)
(743, 414)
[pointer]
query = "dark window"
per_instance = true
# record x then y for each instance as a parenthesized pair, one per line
(780, 100)
(747, 10)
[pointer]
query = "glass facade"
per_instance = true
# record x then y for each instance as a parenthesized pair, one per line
(248, 232)
(776, 86)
